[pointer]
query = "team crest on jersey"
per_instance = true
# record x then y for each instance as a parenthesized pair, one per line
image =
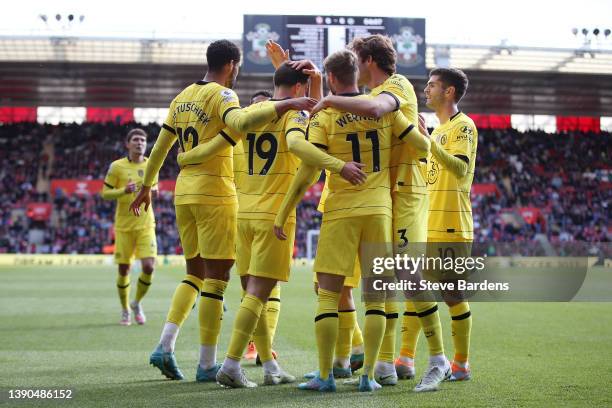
(302, 118)
(228, 96)
(432, 174)
(442, 140)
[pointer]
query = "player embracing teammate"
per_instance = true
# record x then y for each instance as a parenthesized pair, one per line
(378, 133)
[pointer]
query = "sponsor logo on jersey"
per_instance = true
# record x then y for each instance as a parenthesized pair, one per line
(466, 134)
(467, 130)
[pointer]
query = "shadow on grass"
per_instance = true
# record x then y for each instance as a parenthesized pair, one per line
(187, 393)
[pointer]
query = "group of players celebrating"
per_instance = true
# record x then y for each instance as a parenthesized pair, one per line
(243, 171)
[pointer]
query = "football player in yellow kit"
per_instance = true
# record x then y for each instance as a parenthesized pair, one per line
(349, 346)
(355, 218)
(134, 236)
(450, 172)
(274, 301)
(205, 199)
(271, 157)
(392, 91)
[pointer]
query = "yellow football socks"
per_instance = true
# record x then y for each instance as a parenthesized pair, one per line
(461, 327)
(262, 336)
(123, 288)
(411, 328)
(211, 311)
(273, 310)
(144, 282)
(244, 325)
(347, 319)
(357, 336)
(326, 329)
(373, 332)
(387, 348)
(430, 322)
(183, 300)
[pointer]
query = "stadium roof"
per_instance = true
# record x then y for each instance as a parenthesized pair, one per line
(192, 52)
(104, 72)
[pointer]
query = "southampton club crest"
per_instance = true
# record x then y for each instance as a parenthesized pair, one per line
(407, 46)
(258, 39)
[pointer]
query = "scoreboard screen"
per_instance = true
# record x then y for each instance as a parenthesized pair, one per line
(315, 37)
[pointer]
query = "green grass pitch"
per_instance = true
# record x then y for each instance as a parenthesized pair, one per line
(59, 329)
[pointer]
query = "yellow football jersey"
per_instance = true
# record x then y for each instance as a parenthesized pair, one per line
(351, 137)
(406, 170)
(264, 167)
(121, 173)
(196, 115)
(450, 209)
(407, 174)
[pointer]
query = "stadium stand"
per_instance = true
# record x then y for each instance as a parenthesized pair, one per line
(518, 196)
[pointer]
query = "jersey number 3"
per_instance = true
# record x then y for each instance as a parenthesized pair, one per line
(257, 146)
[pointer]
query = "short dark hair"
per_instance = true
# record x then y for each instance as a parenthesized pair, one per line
(134, 132)
(221, 53)
(343, 64)
(286, 75)
(452, 77)
(379, 47)
(262, 92)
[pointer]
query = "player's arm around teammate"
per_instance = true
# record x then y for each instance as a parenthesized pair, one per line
(263, 172)
(205, 200)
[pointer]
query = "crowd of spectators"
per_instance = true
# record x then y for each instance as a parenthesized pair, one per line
(565, 177)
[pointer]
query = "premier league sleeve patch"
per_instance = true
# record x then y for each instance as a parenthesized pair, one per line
(228, 96)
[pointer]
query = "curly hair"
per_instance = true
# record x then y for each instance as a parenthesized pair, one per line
(220, 53)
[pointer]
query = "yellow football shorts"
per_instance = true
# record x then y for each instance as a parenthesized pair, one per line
(207, 230)
(260, 253)
(410, 216)
(446, 261)
(137, 244)
(369, 236)
(350, 281)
